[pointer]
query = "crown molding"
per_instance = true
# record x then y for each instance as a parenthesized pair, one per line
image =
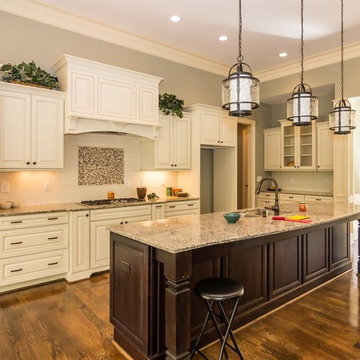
(53, 16)
(351, 51)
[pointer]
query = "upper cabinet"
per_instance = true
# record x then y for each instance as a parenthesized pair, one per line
(32, 127)
(216, 128)
(298, 146)
(272, 149)
(305, 148)
(172, 151)
(102, 97)
(325, 147)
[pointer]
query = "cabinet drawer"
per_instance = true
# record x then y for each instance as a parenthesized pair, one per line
(181, 206)
(181, 213)
(291, 197)
(30, 267)
(124, 212)
(266, 196)
(23, 221)
(28, 241)
(319, 199)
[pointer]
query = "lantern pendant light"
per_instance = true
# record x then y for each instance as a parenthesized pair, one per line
(240, 90)
(342, 118)
(302, 107)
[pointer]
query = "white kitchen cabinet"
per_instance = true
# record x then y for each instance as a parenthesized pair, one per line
(228, 131)
(100, 236)
(31, 121)
(272, 149)
(157, 211)
(325, 147)
(298, 146)
(181, 208)
(106, 95)
(33, 248)
(79, 244)
(172, 151)
(319, 199)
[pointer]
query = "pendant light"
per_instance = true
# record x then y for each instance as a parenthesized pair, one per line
(342, 118)
(302, 107)
(240, 90)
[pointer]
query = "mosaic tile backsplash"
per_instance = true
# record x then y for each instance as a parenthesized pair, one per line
(100, 166)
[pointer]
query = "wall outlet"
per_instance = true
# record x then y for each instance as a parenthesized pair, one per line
(47, 185)
(5, 187)
(258, 178)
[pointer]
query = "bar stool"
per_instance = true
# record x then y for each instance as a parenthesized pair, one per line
(216, 291)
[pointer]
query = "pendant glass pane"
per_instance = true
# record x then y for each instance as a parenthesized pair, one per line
(302, 107)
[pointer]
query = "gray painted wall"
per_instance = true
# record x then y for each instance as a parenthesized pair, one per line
(25, 39)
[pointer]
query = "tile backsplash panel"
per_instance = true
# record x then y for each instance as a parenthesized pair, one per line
(100, 166)
(28, 186)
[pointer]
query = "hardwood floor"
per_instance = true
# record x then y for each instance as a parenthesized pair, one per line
(62, 321)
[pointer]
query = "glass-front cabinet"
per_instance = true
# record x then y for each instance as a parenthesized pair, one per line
(298, 146)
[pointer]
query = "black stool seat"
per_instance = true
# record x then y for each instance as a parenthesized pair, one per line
(219, 289)
(214, 291)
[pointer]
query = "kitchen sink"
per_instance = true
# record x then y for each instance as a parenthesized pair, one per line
(254, 213)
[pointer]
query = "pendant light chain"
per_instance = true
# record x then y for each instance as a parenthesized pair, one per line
(302, 41)
(342, 49)
(240, 57)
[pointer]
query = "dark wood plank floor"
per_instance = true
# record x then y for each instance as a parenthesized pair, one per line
(70, 322)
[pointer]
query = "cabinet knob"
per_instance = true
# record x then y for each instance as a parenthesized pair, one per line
(28, 163)
(126, 222)
(34, 163)
(121, 222)
(222, 142)
(318, 166)
(172, 164)
(87, 215)
(219, 141)
(175, 165)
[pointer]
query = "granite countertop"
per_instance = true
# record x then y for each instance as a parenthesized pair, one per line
(299, 192)
(47, 208)
(185, 233)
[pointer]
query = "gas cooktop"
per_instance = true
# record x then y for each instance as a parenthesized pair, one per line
(112, 201)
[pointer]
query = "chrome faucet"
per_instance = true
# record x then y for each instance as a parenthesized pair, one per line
(276, 207)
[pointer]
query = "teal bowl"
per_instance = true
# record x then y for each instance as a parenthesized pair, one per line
(232, 217)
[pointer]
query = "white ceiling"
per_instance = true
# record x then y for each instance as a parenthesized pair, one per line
(270, 26)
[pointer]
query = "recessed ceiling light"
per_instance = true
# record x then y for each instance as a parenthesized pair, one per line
(283, 54)
(223, 38)
(175, 18)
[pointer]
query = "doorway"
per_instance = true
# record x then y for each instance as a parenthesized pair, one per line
(207, 181)
(243, 166)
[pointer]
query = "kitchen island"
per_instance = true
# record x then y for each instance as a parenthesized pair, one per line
(155, 265)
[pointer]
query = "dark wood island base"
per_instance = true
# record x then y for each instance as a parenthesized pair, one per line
(156, 313)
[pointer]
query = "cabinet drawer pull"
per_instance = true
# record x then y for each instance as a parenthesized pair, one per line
(16, 222)
(190, 204)
(53, 218)
(16, 243)
(172, 207)
(53, 263)
(291, 197)
(158, 206)
(16, 270)
(53, 238)
(318, 199)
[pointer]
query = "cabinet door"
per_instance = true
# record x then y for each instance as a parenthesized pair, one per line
(100, 243)
(164, 145)
(148, 103)
(272, 149)
(210, 128)
(82, 94)
(47, 145)
(325, 147)
(79, 241)
(228, 131)
(284, 266)
(339, 245)
(158, 212)
(306, 147)
(182, 142)
(288, 145)
(14, 130)
(117, 99)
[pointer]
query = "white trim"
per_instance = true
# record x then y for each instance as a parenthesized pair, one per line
(53, 16)
(330, 57)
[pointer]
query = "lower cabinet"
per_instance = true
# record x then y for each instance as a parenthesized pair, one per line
(339, 249)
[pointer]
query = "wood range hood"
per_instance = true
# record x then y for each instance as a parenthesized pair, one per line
(108, 99)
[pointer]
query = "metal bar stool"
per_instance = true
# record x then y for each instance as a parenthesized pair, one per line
(216, 291)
